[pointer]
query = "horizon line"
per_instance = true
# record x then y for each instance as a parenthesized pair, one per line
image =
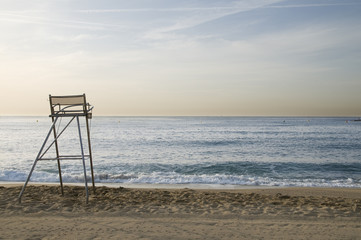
(254, 116)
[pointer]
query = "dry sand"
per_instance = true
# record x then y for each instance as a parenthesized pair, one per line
(125, 213)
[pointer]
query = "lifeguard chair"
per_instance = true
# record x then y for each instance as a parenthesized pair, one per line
(70, 107)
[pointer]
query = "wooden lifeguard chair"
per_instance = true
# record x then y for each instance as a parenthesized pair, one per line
(70, 107)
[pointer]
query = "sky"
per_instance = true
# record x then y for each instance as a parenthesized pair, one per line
(183, 58)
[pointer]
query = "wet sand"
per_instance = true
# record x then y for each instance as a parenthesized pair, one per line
(130, 213)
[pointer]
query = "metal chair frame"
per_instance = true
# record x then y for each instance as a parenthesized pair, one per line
(73, 107)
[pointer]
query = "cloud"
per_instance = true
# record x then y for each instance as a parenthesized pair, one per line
(77, 38)
(132, 10)
(314, 5)
(49, 21)
(185, 17)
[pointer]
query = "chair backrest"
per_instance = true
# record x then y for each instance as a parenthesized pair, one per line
(70, 105)
(67, 100)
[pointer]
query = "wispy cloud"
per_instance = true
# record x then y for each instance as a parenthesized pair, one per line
(192, 17)
(239, 5)
(186, 17)
(154, 10)
(314, 5)
(11, 16)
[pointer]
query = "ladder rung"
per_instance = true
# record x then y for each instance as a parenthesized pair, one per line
(64, 158)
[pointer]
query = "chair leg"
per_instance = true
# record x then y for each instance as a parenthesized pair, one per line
(82, 155)
(36, 160)
(90, 154)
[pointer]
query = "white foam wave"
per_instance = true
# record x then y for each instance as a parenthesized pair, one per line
(174, 178)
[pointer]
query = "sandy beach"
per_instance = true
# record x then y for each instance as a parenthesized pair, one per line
(129, 213)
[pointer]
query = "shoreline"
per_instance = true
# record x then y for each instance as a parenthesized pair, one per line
(146, 185)
(173, 186)
(335, 192)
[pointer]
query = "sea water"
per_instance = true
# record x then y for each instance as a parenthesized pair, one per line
(237, 151)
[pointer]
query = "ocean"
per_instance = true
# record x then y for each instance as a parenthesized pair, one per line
(211, 151)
